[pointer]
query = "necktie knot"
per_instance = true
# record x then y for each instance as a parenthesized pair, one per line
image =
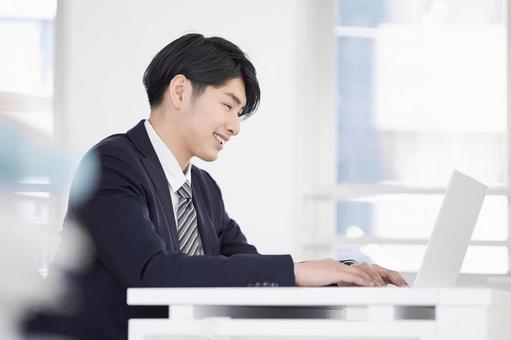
(185, 191)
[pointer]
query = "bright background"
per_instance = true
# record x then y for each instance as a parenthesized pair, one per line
(367, 106)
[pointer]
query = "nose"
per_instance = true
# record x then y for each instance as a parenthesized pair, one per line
(233, 125)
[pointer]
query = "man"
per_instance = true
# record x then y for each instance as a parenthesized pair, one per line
(157, 220)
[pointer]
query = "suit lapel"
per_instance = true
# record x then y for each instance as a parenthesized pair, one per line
(139, 138)
(204, 222)
(161, 185)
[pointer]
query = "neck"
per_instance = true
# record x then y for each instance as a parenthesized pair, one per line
(166, 128)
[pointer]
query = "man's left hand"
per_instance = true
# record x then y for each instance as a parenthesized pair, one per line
(381, 275)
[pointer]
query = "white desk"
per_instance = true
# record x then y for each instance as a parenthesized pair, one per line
(330, 312)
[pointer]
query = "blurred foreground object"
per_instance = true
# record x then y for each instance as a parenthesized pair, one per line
(26, 155)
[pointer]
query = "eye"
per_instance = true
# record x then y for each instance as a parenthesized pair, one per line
(228, 106)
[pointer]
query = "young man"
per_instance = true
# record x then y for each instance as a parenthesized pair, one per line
(156, 220)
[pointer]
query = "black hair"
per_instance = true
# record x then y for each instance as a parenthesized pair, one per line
(205, 62)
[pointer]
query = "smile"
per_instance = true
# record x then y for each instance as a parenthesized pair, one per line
(219, 139)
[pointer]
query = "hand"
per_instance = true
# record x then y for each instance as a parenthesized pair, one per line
(382, 275)
(327, 272)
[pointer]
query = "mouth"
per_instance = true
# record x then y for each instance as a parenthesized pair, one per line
(220, 139)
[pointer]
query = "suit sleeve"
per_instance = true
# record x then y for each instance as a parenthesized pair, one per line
(125, 240)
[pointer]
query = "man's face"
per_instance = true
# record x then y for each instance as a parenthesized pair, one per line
(212, 118)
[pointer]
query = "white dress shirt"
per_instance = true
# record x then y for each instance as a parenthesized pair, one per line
(175, 176)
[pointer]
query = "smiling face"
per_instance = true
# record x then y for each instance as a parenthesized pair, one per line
(211, 119)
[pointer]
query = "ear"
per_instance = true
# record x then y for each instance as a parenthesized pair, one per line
(176, 91)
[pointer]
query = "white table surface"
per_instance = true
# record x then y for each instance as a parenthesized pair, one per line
(358, 313)
(325, 296)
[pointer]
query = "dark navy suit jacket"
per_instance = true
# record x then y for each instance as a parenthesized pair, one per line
(129, 218)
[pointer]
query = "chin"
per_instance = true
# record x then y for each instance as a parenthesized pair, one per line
(209, 157)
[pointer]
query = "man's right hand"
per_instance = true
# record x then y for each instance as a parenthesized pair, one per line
(329, 271)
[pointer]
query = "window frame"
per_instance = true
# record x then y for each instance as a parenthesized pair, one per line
(318, 237)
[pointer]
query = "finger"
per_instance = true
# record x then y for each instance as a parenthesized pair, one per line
(385, 273)
(372, 272)
(352, 278)
(361, 273)
(401, 282)
(377, 277)
(391, 276)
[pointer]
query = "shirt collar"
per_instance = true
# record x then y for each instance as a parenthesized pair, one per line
(170, 165)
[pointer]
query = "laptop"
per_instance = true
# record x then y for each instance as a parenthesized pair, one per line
(453, 230)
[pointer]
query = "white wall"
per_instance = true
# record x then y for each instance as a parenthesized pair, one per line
(104, 48)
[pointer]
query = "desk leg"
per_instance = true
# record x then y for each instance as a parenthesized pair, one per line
(371, 313)
(181, 312)
(381, 313)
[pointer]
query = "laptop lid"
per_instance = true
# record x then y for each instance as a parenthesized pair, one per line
(452, 232)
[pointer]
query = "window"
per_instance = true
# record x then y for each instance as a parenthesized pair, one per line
(26, 62)
(27, 31)
(421, 90)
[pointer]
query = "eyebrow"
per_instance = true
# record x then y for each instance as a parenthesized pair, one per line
(234, 97)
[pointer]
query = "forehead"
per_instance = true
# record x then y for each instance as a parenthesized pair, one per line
(234, 87)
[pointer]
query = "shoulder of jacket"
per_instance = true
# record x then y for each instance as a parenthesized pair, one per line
(117, 145)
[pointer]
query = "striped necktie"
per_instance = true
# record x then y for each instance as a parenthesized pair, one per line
(189, 238)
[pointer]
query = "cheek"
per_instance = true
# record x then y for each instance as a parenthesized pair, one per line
(205, 119)
(200, 129)
(210, 122)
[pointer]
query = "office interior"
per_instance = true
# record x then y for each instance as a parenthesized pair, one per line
(367, 107)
